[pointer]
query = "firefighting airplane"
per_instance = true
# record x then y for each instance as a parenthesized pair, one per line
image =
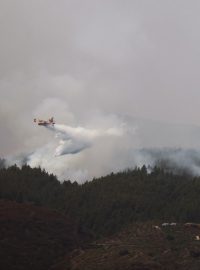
(45, 123)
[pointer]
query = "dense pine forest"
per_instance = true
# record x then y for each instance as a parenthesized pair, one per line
(104, 206)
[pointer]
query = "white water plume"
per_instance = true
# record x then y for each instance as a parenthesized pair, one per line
(75, 139)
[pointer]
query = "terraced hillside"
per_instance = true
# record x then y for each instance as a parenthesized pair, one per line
(143, 246)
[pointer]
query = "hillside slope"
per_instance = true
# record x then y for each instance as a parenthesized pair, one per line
(33, 237)
(106, 205)
(142, 246)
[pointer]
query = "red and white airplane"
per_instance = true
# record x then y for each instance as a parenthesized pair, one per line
(49, 122)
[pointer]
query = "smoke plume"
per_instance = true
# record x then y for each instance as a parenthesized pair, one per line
(89, 63)
(112, 143)
(77, 153)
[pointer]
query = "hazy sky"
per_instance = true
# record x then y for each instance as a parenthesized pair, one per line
(74, 59)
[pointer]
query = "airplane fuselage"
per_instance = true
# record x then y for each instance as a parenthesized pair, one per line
(49, 122)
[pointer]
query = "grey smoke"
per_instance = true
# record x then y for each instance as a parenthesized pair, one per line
(89, 62)
(177, 161)
(76, 152)
(81, 153)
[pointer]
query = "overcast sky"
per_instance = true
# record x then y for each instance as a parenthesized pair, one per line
(74, 59)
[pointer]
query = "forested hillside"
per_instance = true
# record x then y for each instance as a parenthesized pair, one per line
(103, 206)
